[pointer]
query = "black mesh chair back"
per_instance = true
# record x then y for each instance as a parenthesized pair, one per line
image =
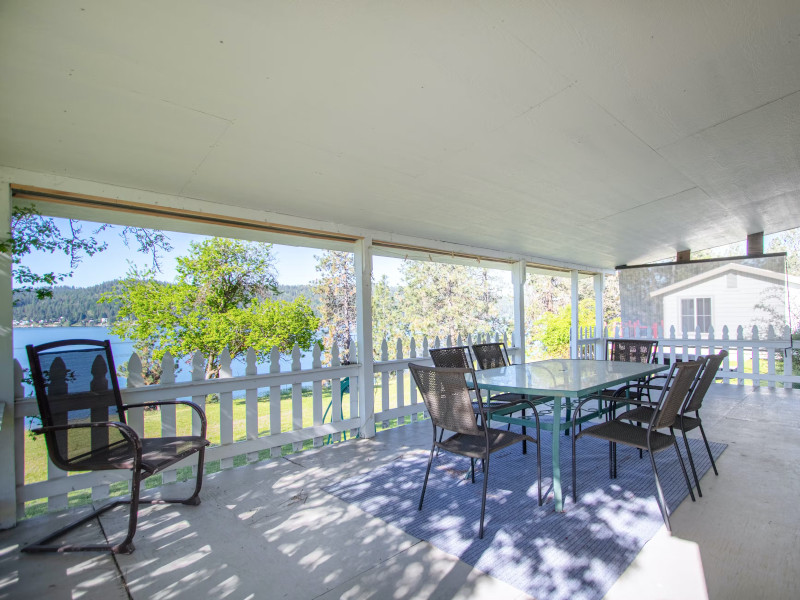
(454, 357)
(682, 377)
(447, 398)
(85, 429)
(631, 350)
(710, 368)
(78, 384)
(491, 355)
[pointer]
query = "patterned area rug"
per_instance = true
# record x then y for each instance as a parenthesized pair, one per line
(577, 554)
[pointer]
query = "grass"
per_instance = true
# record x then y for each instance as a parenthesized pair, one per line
(36, 451)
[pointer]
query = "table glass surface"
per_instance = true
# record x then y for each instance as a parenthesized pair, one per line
(563, 377)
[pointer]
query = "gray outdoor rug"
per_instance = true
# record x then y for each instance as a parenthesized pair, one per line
(577, 554)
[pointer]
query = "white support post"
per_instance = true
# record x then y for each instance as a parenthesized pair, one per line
(8, 485)
(573, 337)
(518, 274)
(599, 325)
(366, 403)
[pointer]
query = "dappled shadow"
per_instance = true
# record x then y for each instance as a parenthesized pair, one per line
(272, 530)
(91, 575)
(575, 554)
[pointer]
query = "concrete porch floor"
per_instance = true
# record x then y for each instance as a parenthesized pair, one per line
(268, 530)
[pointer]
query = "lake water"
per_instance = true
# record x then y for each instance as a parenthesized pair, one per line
(121, 347)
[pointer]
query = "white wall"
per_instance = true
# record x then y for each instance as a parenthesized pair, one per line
(731, 306)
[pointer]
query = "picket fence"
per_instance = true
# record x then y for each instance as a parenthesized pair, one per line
(340, 418)
(756, 360)
(334, 415)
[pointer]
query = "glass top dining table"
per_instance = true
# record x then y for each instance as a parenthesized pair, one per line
(556, 379)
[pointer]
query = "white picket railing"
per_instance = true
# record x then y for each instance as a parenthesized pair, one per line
(259, 435)
(392, 403)
(754, 360)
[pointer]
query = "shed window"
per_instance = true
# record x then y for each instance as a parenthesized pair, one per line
(696, 314)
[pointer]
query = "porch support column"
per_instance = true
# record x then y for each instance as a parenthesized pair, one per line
(573, 338)
(8, 486)
(599, 329)
(518, 283)
(366, 392)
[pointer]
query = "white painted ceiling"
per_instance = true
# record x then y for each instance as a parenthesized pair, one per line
(592, 132)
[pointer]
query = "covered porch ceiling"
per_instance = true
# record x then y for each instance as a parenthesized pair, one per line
(590, 133)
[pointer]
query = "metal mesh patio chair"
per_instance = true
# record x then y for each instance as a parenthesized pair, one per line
(679, 383)
(493, 355)
(447, 398)
(459, 357)
(631, 350)
(685, 422)
(85, 429)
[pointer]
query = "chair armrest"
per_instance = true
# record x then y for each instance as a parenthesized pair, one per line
(527, 402)
(194, 406)
(633, 386)
(623, 400)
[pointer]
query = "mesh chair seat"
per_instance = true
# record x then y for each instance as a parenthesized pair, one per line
(474, 446)
(157, 454)
(631, 435)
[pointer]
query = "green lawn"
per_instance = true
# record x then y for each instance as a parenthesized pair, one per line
(36, 452)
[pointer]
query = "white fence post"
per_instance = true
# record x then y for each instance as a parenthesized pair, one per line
(251, 403)
(412, 387)
(756, 357)
(169, 416)
(336, 392)
(384, 383)
(20, 434)
(225, 408)
(771, 356)
(316, 394)
(399, 378)
(275, 425)
(297, 399)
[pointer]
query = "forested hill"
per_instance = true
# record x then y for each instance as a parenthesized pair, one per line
(78, 306)
(289, 293)
(68, 306)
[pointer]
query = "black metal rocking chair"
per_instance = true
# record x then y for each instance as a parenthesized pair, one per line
(83, 421)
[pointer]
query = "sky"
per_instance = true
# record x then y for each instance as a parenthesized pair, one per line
(295, 265)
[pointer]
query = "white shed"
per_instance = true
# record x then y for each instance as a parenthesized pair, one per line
(732, 295)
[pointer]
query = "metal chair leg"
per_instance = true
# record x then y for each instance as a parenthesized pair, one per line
(574, 471)
(662, 505)
(708, 448)
(441, 435)
(483, 501)
(427, 472)
(539, 466)
(691, 464)
(683, 467)
(524, 432)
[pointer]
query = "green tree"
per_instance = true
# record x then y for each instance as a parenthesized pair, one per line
(444, 299)
(387, 318)
(336, 289)
(221, 298)
(553, 328)
(33, 232)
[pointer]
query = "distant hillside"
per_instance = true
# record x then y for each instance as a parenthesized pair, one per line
(289, 293)
(78, 306)
(68, 306)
